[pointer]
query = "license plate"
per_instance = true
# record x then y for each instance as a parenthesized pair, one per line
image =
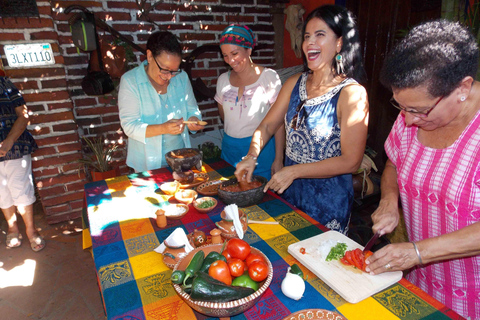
(27, 55)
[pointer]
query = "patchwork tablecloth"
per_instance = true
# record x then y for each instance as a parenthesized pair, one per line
(135, 283)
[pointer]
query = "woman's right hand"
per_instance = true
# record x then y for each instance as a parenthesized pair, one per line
(385, 218)
(174, 126)
(245, 169)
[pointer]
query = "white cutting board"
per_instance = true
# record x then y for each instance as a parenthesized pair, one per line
(352, 284)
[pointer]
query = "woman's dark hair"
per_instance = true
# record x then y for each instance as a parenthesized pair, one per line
(342, 23)
(436, 55)
(161, 41)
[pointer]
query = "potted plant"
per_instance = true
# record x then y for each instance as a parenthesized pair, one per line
(100, 159)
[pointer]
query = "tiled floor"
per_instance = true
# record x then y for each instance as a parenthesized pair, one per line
(57, 283)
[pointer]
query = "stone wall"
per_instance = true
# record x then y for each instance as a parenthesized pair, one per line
(61, 113)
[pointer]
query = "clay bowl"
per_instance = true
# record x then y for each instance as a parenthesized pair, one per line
(199, 201)
(242, 198)
(226, 226)
(186, 196)
(184, 159)
(170, 188)
(222, 309)
(176, 211)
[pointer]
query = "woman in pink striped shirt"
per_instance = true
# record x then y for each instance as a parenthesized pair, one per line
(434, 165)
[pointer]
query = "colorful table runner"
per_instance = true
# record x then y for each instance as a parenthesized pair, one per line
(135, 283)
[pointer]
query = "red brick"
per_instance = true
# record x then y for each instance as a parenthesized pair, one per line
(65, 127)
(76, 60)
(102, 129)
(51, 117)
(47, 10)
(72, 167)
(65, 216)
(60, 179)
(26, 23)
(87, 122)
(27, 85)
(44, 35)
(96, 110)
(36, 73)
(52, 161)
(204, 73)
(42, 172)
(69, 147)
(11, 36)
(197, 37)
(46, 96)
(63, 199)
(40, 131)
(46, 192)
(76, 186)
(57, 139)
(85, 102)
(44, 151)
(122, 5)
(133, 27)
(60, 105)
(63, 27)
(54, 83)
(57, 209)
(76, 204)
(111, 118)
(114, 16)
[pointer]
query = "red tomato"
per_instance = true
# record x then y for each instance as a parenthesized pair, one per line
(236, 266)
(219, 270)
(226, 255)
(345, 262)
(359, 258)
(368, 254)
(252, 257)
(258, 271)
(238, 248)
(348, 257)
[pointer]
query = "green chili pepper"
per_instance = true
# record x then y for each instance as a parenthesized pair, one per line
(178, 276)
(246, 282)
(211, 258)
(194, 265)
(295, 269)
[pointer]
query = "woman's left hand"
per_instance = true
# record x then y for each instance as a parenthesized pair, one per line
(281, 180)
(194, 126)
(393, 257)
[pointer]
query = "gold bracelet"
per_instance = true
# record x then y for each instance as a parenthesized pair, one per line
(418, 252)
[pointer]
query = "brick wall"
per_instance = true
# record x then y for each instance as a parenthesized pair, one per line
(61, 113)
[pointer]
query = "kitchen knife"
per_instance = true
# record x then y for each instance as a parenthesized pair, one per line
(371, 242)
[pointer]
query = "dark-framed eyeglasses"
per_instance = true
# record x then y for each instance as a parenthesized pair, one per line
(294, 123)
(421, 114)
(166, 71)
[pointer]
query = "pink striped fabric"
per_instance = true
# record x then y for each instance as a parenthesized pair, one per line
(440, 193)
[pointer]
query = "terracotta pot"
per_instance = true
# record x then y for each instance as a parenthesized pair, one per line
(98, 176)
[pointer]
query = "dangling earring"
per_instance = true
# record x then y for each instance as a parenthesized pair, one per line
(339, 64)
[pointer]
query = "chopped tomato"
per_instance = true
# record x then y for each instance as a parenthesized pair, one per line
(345, 262)
(302, 250)
(349, 257)
(360, 259)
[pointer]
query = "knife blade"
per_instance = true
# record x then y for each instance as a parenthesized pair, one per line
(371, 242)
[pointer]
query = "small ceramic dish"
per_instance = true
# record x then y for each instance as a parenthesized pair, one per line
(175, 211)
(200, 204)
(209, 188)
(226, 226)
(170, 188)
(186, 196)
(198, 178)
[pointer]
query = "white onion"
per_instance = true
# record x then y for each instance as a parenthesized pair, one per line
(293, 286)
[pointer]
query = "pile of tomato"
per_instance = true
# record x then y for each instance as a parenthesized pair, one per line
(243, 267)
(356, 258)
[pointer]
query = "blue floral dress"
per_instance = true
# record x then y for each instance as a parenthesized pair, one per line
(316, 138)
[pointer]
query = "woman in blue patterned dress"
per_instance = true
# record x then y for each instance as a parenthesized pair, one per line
(325, 112)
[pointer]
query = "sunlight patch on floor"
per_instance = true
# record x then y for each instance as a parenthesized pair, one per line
(21, 275)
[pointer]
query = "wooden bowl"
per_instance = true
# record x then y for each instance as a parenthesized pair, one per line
(184, 159)
(199, 201)
(222, 309)
(209, 188)
(242, 198)
(186, 196)
(170, 188)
